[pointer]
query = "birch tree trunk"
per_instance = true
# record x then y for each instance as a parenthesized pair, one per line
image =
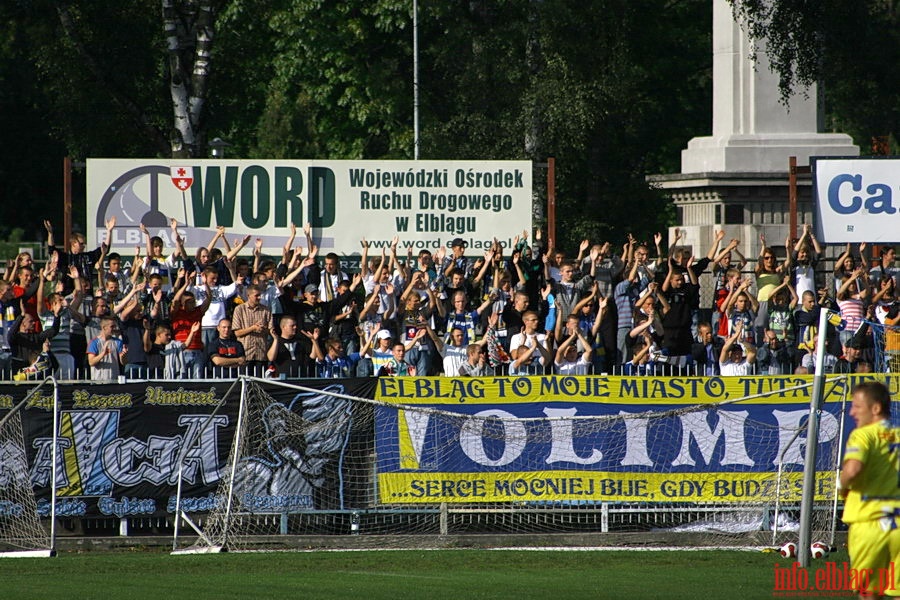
(189, 28)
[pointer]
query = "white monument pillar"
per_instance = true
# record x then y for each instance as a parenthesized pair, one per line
(752, 131)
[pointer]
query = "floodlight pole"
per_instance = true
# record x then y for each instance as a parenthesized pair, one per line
(415, 17)
(812, 442)
(67, 202)
(551, 202)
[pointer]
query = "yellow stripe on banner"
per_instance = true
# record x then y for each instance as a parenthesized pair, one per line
(685, 391)
(70, 459)
(407, 452)
(587, 486)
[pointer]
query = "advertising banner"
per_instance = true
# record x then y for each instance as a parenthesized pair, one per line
(426, 204)
(854, 199)
(473, 451)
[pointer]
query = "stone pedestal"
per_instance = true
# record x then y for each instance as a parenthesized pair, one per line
(737, 178)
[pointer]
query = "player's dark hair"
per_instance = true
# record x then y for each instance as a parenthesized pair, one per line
(876, 393)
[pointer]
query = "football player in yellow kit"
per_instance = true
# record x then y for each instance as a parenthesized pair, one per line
(870, 480)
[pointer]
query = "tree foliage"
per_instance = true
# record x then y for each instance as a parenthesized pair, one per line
(612, 89)
(851, 49)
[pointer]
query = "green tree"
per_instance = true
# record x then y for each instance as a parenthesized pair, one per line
(125, 82)
(612, 88)
(594, 85)
(851, 49)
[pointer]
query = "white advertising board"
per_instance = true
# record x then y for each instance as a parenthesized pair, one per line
(854, 199)
(426, 204)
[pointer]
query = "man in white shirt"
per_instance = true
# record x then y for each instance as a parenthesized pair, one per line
(568, 361)
(454, 352)
(219, 295)
(733, 360)
(528, 348)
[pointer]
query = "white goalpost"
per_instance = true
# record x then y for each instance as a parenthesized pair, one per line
(21, 532)
(204, 543)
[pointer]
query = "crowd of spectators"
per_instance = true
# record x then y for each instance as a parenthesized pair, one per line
(528, 309)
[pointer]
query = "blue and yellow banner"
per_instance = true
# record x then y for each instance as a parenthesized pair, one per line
(121, 448)
(558, 438)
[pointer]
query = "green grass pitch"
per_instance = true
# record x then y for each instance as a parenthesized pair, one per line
(373, 575)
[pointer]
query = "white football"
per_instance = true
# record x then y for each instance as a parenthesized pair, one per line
(818, 549)
(789, 550)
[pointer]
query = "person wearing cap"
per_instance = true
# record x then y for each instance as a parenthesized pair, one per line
(457, 258)
(312, 313)
(737, 358)
(376, 352)
(858, 353)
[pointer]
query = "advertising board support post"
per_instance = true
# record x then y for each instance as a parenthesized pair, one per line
(550, 165)
(812, 436)
(793, 193)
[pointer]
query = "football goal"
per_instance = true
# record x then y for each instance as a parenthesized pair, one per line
(313, 467)
(22, 534)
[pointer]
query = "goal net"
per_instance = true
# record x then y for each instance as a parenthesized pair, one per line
(21, 532)
(315, 467)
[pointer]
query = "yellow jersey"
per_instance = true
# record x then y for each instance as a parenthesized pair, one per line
(876, 491)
